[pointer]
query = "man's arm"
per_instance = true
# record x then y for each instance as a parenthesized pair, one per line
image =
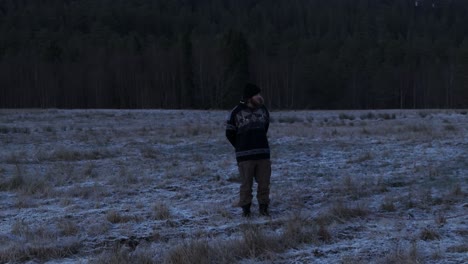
(231, 129)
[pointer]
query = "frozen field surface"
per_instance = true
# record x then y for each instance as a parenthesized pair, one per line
(161, 186)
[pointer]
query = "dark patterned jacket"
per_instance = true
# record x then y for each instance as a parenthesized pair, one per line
(246, 129)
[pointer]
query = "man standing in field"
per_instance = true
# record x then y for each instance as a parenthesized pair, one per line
(246, 129)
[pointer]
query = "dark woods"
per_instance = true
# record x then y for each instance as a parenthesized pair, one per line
(199, 53)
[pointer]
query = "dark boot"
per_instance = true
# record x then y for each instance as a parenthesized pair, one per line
(264, 210)
(246, 210)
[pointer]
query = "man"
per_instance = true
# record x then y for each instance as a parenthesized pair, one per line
(246, 129)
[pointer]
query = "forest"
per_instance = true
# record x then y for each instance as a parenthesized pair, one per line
(198, 54)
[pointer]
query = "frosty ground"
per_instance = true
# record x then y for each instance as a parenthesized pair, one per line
(155, 186)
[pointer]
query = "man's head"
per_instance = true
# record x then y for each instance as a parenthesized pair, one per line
(252, 95)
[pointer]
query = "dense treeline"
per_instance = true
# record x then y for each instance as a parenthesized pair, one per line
(199, 53)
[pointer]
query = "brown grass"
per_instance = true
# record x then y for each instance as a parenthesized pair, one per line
(117, 217)
(361, 158)
(85, 181)
(26, 184)
(43, 244)
(458, 249)
(341, 212)
(42, 250)
(161, 211)
(67, 227)
(388, 205)
(429, 234)
(119, 254)
(254, 243)
(409, 255)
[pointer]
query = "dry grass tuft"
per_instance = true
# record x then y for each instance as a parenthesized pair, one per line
(361, 158)
(344, 116)
(26, 184)
(67, 227)
(340, 212)
(161, 211)
(14, 183)
(429, 234)
(43, 244)
(198, 251)
(41, 250)
(149, 152)
(288, 119)
(299, 230)
(403, 256)
(254, 243)
(458, 249)
(99, 227)
(70, 154)
(116, 217)
(388, 205)
(324, 234)
(123, 255)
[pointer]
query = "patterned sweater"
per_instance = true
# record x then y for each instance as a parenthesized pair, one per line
(246, 129)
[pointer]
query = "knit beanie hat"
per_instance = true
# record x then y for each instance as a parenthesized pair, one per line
(250, 90)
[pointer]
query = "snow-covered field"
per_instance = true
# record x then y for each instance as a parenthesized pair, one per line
(155, 186)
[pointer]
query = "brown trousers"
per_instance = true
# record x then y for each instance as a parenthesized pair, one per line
(260, 170)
